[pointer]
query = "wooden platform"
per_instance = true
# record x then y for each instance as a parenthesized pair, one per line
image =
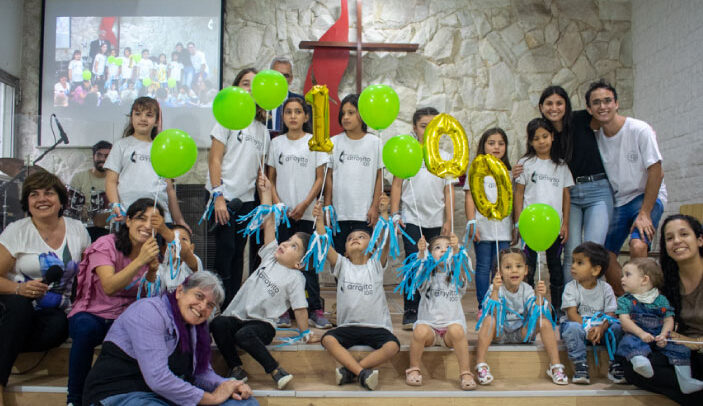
(519, 372)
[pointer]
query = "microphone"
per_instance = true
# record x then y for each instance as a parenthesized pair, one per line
(53, 274)
(62, 133)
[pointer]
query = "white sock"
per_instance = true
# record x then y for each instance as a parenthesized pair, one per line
(642, 366)
(687, 382)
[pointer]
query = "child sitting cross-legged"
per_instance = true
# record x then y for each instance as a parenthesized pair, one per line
(590, 304)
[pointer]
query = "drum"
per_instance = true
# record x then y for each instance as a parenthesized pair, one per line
(99, 209)
(75, 203)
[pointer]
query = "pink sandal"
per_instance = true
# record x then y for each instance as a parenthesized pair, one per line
(413, 377)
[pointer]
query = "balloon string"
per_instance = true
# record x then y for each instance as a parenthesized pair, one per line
(495, 229)
(451, 206)
(322, 190)
(156, 199)
(539, 279)
(267, 134)
(417, 212)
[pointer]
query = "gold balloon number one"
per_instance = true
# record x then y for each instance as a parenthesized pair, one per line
(318, 97)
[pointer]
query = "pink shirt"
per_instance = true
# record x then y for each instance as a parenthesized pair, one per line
(90, 296)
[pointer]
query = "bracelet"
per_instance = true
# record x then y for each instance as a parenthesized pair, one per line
(17, 290)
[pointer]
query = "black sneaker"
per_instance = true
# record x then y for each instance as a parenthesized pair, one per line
(281, 377)
(238, 373)
(616, 373)
(581, 373)
(409, 318)
(368, 379)
(343, 375)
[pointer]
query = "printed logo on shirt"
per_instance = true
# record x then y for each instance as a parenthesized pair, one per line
(365, 288)
(450, 295)
(363, 160)
(586, 309)
(271, 287)
(300, 160)
(632, 156)
(258, 144)
(544, 178)
(138, 157)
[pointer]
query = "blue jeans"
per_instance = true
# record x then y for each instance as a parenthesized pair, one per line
(574, 336)
(623, 218)
(152, 399)
(591, 211)
(87, 331)
(485, 261)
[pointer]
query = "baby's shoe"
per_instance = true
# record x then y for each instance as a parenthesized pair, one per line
(483, 372)
(558, 374)
(581, 373)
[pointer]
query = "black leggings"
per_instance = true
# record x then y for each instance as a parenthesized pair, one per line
(556, 275)
(252, 336)
(23, 329)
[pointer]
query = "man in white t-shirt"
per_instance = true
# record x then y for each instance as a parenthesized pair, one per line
(633, 164)
(197, 58)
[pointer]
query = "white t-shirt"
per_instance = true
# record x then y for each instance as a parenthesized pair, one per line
(516, 302)
(112, 70)
(131, 159)
(429, 195)
(487, 228)
(240, 163)
(269, 291)
(198, 60)
(355, 164)
(59, 88)
(589, 301)
(23, 242)
(544, 182)
(169, 282)
(175, 69)
(626, 157)
(99, 64)
(440, 303)
(295, 168)
(144, 68)
(127, 67)
(361, 300)
(76, 68)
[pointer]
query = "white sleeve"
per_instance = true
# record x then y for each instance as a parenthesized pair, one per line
(271, 158)
(647, 144)
(379, 158)
(219, 133)
(337, 270)
(611, 304)
(522, 179)
(296, 293)
(268, 250)
(10, 238)
(114, 158)
(321, 158)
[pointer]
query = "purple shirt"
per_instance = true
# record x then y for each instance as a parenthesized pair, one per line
(147, 332)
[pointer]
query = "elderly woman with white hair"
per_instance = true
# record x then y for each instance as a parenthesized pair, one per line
(158, 353)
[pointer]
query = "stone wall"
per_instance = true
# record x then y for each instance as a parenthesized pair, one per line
(667, 50)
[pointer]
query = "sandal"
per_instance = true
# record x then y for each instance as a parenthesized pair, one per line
(558, 374)
(484, 373)
(413, 377)
(466, 380)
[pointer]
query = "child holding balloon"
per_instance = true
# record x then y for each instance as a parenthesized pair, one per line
(296, 174)
(546, 179)
(487, 233)
(353, 186)
(130, 175)
(423, 213)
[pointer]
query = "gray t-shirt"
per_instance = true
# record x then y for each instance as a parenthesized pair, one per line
(361, 300)
(516, 302)
(440, 303)
(269, 291)
(589, 301)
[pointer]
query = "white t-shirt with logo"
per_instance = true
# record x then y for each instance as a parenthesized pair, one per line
(295, 168)
(589, 301)
(361, 300)
(429, 196)
(440, 302)
(488, 229)
(131, 159)
(269, 291)
(626, 157)
(355, 164)
(76, 68)
(240, 163)
(144, 68)
(544, 182)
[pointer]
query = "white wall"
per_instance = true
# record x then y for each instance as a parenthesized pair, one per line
(667, 51)
(10, 36)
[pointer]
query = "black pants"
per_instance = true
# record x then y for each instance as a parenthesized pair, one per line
(252, 336)
(556, 275)
(346, 227)
(23, 329)
(410, 248)
(312, 281)
(664, 380)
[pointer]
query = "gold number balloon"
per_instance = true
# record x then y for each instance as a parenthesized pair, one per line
(318, 97)
(488, 165)
(440, 125)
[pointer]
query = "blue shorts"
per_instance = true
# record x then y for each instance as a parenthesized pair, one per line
(624, 217)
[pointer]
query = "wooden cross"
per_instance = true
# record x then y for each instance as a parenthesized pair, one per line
(359, 46)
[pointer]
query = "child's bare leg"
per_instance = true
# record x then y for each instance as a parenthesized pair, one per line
(456, 338)
(381, 355)
(341, 354)
(485, 338)
(549, 340)
(423, 336)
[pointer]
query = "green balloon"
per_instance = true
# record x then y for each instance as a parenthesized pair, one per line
(137, 58)
(111, 59)
(118, 61)
(173, 153)
(171, 83)
(234, 108)
(379, 106)
(539, 226)
(146, 82)
(87, 75)
(402, 156)
(269, 89)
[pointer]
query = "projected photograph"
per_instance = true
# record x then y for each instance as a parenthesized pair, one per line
(101, 64)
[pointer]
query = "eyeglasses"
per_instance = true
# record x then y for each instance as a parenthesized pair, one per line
(606, 101)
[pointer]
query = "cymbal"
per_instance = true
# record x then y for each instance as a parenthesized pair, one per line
(13, 166)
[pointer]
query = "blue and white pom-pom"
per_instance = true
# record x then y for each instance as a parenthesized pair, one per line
(460, 265)
(498, 309)
(174, 255)
(317, 250)
(535, 312)
(257, 217)
(210, 206)
(413, 273)
(470, 232)
(609, 336)
(331, 218)
(303, 336)
(112, 216)
(384, 232)
(152, 288)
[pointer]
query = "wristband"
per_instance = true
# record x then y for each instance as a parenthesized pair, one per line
(396, 217)
(17, 290)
